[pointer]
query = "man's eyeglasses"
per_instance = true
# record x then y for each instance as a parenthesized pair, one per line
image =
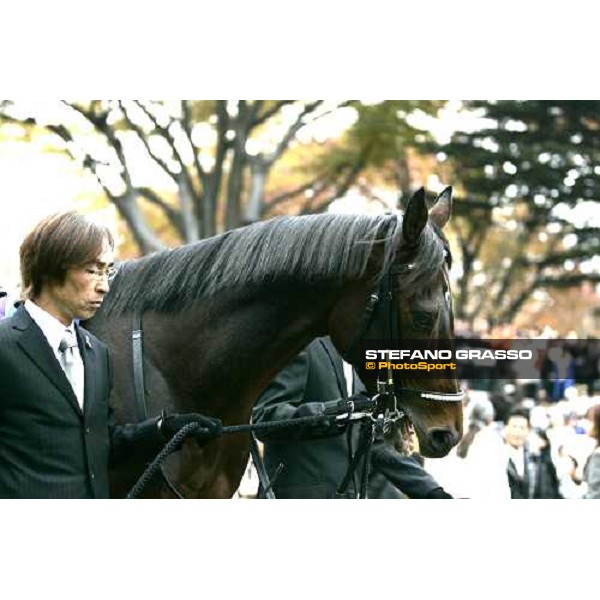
(97, 273)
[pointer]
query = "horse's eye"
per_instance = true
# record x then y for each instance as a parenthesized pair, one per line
(422, 321)
(447, 297)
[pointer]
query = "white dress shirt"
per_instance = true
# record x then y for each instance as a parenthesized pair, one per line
(54, 331)
(517, 455)
(349, 377)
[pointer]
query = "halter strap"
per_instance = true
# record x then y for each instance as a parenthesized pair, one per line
(139, 387)
(384, 300)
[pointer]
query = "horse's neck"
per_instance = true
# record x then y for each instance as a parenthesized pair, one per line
(236, 347)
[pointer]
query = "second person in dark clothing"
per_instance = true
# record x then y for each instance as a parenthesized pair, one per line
(531, 472)
(315, 458)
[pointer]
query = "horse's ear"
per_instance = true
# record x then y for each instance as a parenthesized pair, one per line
(442, 209)
(415, 218)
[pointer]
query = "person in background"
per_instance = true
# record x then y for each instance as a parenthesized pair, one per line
(8, 305)
(313, 459)
(477, 467)
(2, 304)
(482, 451)
(560, 372)
(531, 472)
(567, 471)
(591, 472)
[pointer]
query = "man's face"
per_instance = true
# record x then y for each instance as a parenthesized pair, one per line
(83, 290)
(516, 431)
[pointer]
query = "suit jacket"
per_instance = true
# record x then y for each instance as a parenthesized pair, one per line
(315, 459)
(520, 487)
(49, 448)
(539, 478)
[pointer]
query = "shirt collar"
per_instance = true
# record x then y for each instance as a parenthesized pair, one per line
(514, 450)
(518, 456)
(51, 327)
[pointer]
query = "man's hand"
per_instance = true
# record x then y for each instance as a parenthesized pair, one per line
(439, 494)
(208, 428)
(310, 409)
(340, 406)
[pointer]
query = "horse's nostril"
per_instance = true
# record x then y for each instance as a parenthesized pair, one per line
(441, 437)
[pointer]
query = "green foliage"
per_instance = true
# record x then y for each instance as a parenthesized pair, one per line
(381, 132)
(533, 161)
(548, 148)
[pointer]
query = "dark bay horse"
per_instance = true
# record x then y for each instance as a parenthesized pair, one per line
(222, 316)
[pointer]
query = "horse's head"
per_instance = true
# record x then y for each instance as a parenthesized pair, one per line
(414, 303)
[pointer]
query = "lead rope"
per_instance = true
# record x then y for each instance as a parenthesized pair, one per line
(363, 451)
(215, 431)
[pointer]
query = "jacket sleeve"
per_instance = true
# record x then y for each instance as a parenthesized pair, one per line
(592, 473)
(405, 472)
(285, 398)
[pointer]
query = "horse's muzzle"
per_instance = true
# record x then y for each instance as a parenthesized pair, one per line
(440, 440)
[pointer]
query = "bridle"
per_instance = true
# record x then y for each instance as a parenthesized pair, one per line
(386, 416)
(381, 305)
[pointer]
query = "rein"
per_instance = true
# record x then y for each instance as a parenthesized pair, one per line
(335, 409)
(387, 412)
(381, 415)
(202, 431)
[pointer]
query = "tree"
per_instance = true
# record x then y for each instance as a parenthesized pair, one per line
(213, 162)
(526, 179)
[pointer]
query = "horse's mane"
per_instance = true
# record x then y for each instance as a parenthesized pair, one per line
(311, 249)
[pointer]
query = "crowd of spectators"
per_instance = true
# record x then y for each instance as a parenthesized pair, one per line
(529, 438)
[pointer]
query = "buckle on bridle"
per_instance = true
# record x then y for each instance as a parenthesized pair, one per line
(386, 411)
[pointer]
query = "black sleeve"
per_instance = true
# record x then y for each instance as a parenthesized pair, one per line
(405, 472)
(285, 398)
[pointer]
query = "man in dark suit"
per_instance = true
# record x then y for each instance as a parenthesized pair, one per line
(531, 473)
(57, 431)
(315, 458)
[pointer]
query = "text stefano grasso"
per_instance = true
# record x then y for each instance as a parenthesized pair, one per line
(470, 354)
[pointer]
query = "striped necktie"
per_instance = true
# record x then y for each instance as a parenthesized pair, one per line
(67, 349)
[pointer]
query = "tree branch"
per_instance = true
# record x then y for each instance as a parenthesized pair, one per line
(260, 119)
(173, 215)
(170, 139)
(291, 132)
(186, 124)
(285, 196)
(143, 138)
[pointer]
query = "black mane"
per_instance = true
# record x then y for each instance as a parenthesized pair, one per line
(310, 249)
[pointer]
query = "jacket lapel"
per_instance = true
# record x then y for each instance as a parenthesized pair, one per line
(35, 345)
(521, 482)
(88, 356)
(528, 477)
(338, 367)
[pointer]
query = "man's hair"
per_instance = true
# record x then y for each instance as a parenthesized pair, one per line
(517, 412)
(56, 244)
